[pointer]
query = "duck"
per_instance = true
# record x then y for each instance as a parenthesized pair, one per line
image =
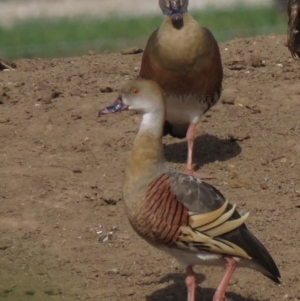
(184, 59)
(179, 213)
(293, 34)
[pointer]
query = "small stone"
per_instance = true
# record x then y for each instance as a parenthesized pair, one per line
(114, 228)
(106, 237)
(133, 50)
(106, 90)
(228, 101)
(113, 271)
(263, 186)
(243, 101)
(236, 65)
(125, 237)
(256, 61)
(238, 137)
(109, 201)
(277, 237)
(75, 117)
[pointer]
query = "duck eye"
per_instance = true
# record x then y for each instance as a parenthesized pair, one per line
(135, 91)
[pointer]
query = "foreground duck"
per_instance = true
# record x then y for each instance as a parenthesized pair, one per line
(183, 57)
(179, 213)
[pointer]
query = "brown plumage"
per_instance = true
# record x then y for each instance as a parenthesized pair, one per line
(179, 213)
(184, 59)
(293, 33)
(169, 214)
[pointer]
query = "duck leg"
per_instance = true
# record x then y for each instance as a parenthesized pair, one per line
(191, 284)
(190, 135)
(139, 123)
(230, 268)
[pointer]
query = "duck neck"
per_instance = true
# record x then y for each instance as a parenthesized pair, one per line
(147, 154)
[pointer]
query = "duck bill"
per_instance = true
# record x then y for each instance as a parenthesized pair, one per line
(115, 107)
(176, 18)
(176, 13)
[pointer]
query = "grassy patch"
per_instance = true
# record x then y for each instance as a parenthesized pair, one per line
(64, 37)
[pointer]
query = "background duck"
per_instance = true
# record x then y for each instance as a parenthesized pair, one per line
(184, 59)
(293, 34)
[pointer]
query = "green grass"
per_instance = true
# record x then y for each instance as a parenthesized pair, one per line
(64, 37)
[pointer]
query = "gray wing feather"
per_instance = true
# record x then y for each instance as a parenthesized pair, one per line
(195, 194)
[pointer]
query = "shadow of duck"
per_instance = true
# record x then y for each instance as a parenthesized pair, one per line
(208, 149)
(176, 291)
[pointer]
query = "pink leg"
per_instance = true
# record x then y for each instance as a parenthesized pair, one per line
(230, 268)
(139, 123)
(190, 282)
(190, 135)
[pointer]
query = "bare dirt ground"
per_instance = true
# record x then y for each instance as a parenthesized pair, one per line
(61, 171)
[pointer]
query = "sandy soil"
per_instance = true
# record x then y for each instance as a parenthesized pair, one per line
(62, 167)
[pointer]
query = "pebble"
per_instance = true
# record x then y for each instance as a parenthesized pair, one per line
(113, 271)
(106, 237)
(106, 90)
(238, 137)
(133, 50)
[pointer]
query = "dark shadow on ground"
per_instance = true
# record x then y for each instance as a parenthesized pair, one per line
(207, 149)
(177, 291)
